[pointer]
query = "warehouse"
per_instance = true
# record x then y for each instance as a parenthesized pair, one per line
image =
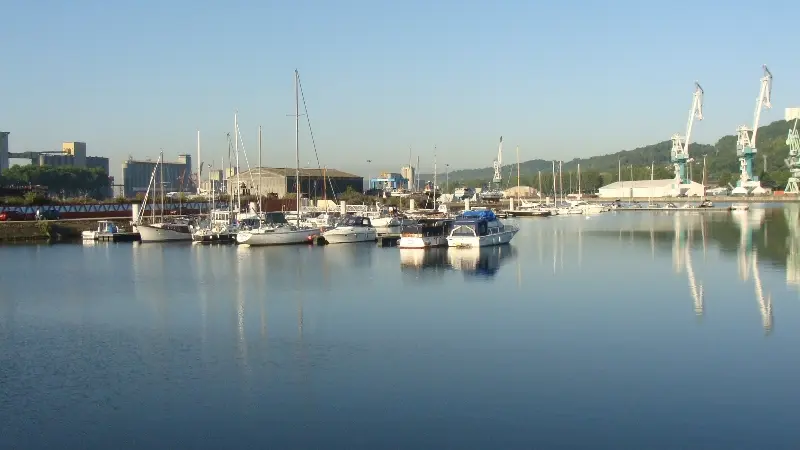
(650, 188)
(280, 181)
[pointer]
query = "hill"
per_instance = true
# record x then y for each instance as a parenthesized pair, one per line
(596, 171)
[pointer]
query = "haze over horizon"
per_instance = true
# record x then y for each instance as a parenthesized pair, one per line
(561, 80)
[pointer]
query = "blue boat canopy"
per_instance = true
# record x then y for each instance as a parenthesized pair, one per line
(479, 215)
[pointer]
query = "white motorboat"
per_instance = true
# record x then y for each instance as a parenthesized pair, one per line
(351, 229)
(480, 229)
(426, 233)
(273, 230)
(219, 229)
(108, 231)
(589, 208)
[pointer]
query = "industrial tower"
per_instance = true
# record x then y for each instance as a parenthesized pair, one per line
(680, 144)
(793, 161)
(746, 142)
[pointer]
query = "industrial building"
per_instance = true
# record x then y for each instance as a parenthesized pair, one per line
(177, 176)
(650, 188)
(388, 181)
(280, 181)
(4, 150)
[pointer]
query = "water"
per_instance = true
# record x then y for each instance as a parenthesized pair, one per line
(625, 330)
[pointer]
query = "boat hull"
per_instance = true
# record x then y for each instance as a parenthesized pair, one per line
(385, 222)
(149, 233)
(422, 242)
(277, 237)
(339, 236)
(501, 238)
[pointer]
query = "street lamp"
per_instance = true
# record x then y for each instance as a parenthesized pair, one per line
(447, 178)
(369, 176)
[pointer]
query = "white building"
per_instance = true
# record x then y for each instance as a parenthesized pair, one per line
(650, 188)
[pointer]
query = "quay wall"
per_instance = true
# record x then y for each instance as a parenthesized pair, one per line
(48, 230)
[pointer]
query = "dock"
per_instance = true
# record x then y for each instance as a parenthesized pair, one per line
(124, 236)
(388, 239)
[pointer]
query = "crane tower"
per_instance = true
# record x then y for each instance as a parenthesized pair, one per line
(498, 164)
(680, 144)
(746, 141)
(793, 161)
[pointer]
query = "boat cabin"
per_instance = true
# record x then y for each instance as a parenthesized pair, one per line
(106, 226)
(428, 228)
(355, 221)
(477, 223)
(269, 219)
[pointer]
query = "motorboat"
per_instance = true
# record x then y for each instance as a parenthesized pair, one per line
(108, 231)
(426, 233)
(480, 229)
(219, 229)
(273, 229)
(351, 229)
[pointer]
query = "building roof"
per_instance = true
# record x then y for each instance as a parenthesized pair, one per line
(638, 184)
(290, 172)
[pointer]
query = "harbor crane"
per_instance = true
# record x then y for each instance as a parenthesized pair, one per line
(746, 141)
(793, 161)
(680, 144)
(498, 164)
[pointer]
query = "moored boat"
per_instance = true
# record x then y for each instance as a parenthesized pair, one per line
(480, 229)
(426, 233)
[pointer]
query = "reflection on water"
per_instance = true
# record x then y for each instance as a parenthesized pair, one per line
(481, 262)
(580, 326)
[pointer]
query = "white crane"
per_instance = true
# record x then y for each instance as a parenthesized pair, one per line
(793, 161)
(746, 140)
(680, 144)
(498, 163)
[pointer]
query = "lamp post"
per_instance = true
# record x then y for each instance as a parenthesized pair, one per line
(369, 176)
(447, 178)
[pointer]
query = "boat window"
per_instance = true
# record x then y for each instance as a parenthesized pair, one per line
(365, 222)
(464, 230)
(483, 229)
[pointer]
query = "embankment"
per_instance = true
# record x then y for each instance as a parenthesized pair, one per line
(46, 230)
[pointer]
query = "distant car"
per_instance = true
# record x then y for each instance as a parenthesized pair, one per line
(7, 216)
(49, 214)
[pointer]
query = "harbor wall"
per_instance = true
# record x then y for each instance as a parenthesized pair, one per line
(47, 230)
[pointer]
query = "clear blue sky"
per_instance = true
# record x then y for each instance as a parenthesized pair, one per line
(560, 79)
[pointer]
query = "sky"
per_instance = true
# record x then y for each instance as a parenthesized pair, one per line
(382, 80)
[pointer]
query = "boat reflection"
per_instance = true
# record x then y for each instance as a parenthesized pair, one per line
(482, 262)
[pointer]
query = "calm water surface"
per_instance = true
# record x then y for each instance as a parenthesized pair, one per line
(624, 330)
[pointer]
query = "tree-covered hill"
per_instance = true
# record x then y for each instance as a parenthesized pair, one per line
(596, 171)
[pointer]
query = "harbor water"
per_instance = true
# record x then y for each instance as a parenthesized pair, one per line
(628, 330)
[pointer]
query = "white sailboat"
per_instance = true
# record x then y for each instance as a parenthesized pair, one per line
(161, 231)
(274, 229)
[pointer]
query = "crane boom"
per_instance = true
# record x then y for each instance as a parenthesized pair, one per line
(680, 144)
(746, 137)
(498, 163)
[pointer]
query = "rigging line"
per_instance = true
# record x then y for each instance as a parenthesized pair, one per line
(311, 132)
(249, 169)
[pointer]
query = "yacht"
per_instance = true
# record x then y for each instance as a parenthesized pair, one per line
(273, 229)
(108, 231)
(426, 233)
(351, 229)
(589, 208)
(480, 229)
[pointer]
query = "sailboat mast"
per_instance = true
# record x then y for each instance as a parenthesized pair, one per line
(434, 178)
(258, 188)
(297, 141)
(199, 164)
(554, 181)
(236, 151)
(580, 194)
(518, 172)
(561, 179)
(161, 181)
